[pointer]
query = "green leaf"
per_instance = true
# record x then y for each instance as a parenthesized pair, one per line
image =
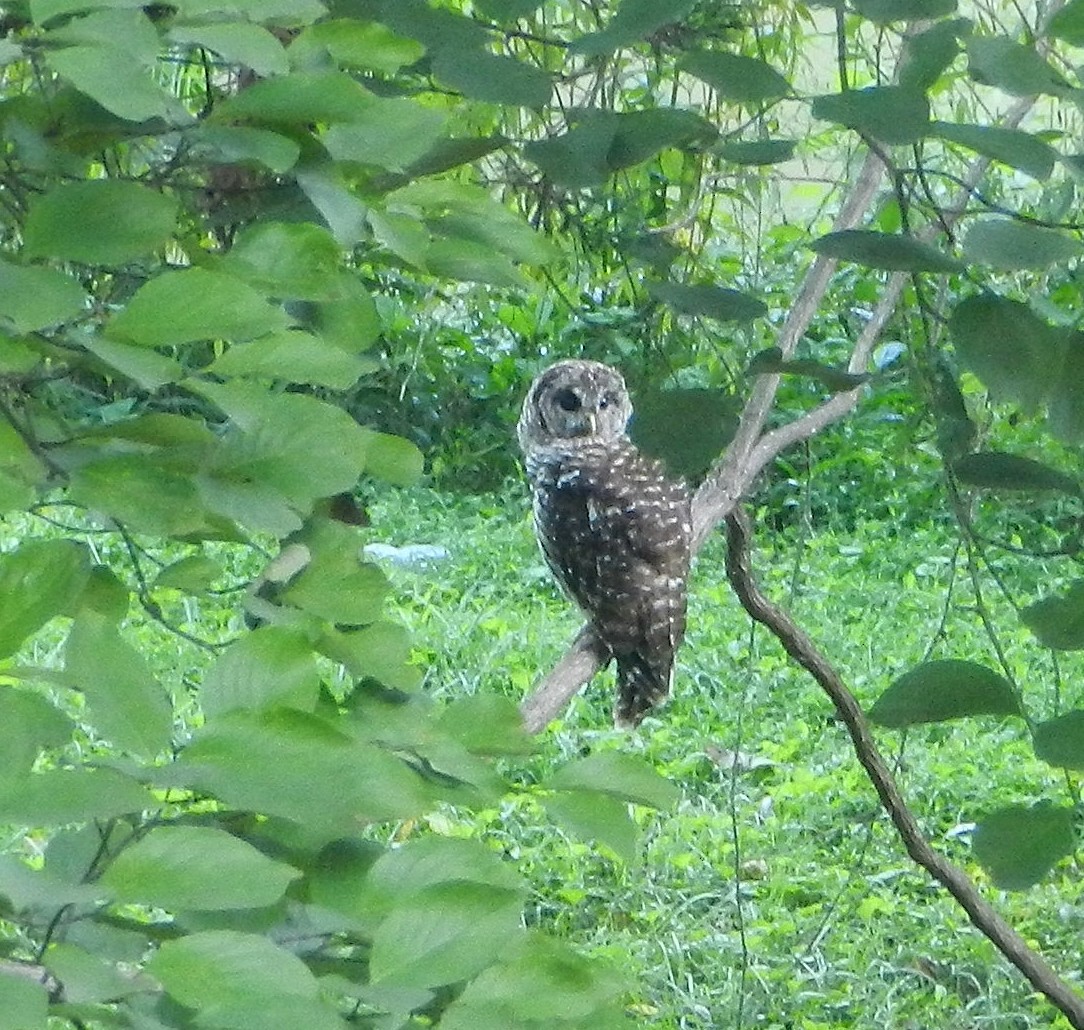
(240, 980)
(507, 10)
(195, 304)
(1012, 67)
(927, 54)
(593, 816)
(886, 11)
(1009, 245)
(122, 25)
(21, 472)
(88, 978)
(358, 45)
(633, 21)
(755, 152)
(1058, 622)
(269, 666)
(718, 302)
(24, 1002)
(104, 594)
(444, 933)
(59, 797)
(941, 690)
(379, 651)
(27, 888)
(388, 132)
(486, 724)
(493, 78)
(326, 187)
(292, 357)
(251, 46)
(241, 144)
(1060, 741)
(1011, 147)
(296, 260)
(891, 114)
(143, 366)
(294, 765)
(28, 725)
(126, 704)
(196, 868)
(334, 586)
(884, 250)
(393, 459)
(1018, 846)
(103, 221)
(1014, 352)
(994, 470)
(686, 428)
(620, 776)
(113, 78)
(1068, 23)
(37, 298)
(192, 575)
(1066, 399)
(36, 581)
(746, 80)
(297, 99)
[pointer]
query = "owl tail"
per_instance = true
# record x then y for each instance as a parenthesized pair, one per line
(640, 686)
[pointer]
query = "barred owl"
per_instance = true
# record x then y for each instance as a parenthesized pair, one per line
(614, 529)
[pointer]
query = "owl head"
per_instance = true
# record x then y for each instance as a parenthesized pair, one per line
(575, 401)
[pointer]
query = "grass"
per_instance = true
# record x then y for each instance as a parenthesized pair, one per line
(775, 894)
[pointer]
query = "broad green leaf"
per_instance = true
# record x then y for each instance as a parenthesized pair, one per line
(885, 11)
(28, 888)
(453, 152)
(718, 302)
(192, 575)
(294, 765)
(24, 1002)
(393, 459)
(444, 933)
(195, 304)
(242, 144)
(1018, 846)
(486, 724)
(141, 492)
(1066, 399)
(364, 46)
(1012, 67)
(336, 881)
(196, 868)
(927, 54)
(297, 99)
(336, 587)
(28, 725)
(45, 11)
(1012, 147)
(1008, 245)
(833, 377)
(884, 250)
(746, 80)
(1060, 741)
(251, 46)
(104, 594)
(686, 428)
(21, 472)
(1058, 622)
(756, 152)
(103, 221)
(593, 816)
(620, 776)
(891, 114)
(126, 704)
(37, 298)
(122, 25)
(544, 982)
(59, 797)
(1015, 353)
(390, 132)
(436, 28)
(270, 666)
(285, 13)
(994, 470)
(287, 260)
(344, 213)
(507, 10)
(494, 78)
(143, 366)
(1068, 23)
(224, 971)
(941, 690)
(88, 979)
(470, 261)
(379, 651)
(639, 135)
(352, 323)
(37, 580)
(291, 356)
(632, 21)
(117, 81)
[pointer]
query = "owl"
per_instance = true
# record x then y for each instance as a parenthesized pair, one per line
(614, 528)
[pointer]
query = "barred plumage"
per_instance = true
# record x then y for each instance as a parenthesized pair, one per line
(614, 528)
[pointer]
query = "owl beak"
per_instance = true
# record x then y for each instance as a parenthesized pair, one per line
(592, 424)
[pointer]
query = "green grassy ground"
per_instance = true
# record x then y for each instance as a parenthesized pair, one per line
(776, 893)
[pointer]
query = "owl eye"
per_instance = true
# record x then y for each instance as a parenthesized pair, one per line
(567, 400)
(606, 400)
